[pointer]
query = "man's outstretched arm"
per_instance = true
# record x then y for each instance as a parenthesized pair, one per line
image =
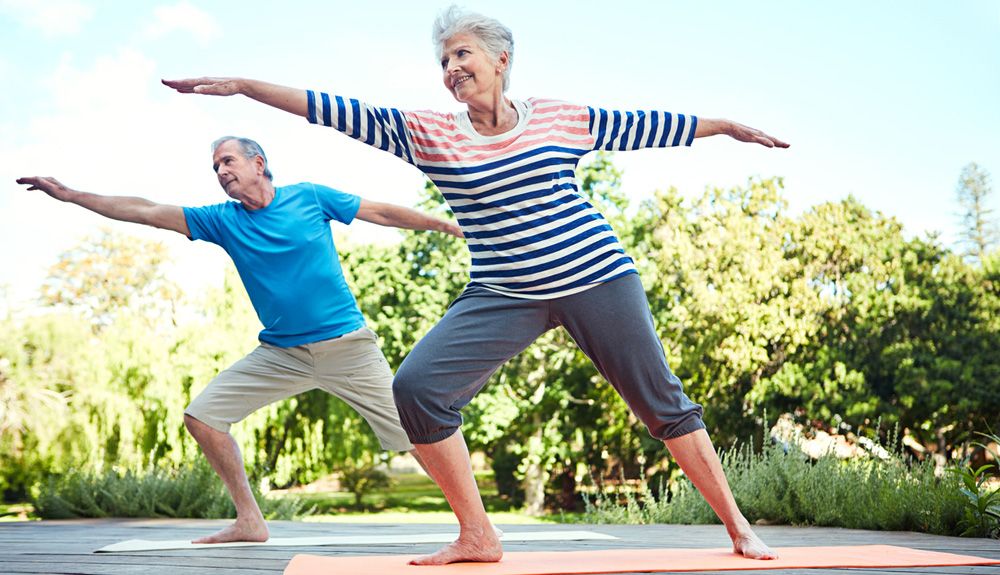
(291, 100)
(123, 208)
(400, 217)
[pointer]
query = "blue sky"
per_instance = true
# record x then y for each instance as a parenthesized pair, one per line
(883, 100)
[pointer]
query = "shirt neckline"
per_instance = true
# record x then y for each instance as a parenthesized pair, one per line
(265, 208)
(465, 125)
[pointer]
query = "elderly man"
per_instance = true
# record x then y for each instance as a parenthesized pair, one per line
(314, 334)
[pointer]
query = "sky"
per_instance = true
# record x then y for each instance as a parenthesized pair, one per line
(883, 100)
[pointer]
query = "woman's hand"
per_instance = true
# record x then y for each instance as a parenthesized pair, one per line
(291, 100)
(752, 135)
(209, 86)
(737, 131)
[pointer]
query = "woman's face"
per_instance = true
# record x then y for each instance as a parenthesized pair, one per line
(468, 70)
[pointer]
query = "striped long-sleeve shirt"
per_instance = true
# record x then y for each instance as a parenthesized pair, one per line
(531, 232)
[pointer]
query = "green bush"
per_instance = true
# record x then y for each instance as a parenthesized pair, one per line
(192, 490)
(783, 485)
(363, 479)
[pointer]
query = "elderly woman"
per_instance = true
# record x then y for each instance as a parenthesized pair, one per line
(542, 257)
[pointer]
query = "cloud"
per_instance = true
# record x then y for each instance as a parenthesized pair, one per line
(52, 17)
(108, 127)
(186, 18)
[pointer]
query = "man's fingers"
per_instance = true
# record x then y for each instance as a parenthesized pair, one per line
(32, 183)
(773, 142)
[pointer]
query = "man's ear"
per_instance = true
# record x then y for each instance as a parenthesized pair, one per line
(259, 161)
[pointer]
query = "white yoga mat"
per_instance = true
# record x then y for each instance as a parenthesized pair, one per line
(151, 545)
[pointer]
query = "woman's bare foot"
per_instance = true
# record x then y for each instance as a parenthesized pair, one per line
(239, 531)
(747, 544)
(481, 547)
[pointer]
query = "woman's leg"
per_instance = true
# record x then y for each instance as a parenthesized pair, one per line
(612, 324)
(445, 370)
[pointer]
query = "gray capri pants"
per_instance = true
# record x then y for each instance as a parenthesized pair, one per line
(483, 329)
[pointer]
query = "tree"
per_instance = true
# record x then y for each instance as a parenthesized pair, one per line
(108, 272)
(979, 231)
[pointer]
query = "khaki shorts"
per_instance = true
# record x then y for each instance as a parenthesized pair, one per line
(350, 367)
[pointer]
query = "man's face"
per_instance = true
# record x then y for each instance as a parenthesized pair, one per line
(237, 174)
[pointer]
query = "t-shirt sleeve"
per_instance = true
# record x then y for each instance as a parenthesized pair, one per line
(632, 130)
(382, 128)
(337, 205)
(205, 223)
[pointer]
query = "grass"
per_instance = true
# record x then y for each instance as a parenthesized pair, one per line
(783, 485)
(412, 498)
(434, 517)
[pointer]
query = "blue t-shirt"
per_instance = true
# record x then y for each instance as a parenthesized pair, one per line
(285, 256)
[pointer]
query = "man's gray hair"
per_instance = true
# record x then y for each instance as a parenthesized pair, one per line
(493, 36)
(249, 148)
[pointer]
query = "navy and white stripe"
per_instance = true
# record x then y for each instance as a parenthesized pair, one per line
(530, 231)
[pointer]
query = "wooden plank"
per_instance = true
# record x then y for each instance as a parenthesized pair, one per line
(17, 568)
(66, 546)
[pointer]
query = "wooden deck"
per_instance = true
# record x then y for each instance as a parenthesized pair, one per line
(67, 546)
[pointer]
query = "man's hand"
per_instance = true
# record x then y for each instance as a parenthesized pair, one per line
(50, 186)
(752, 135)
(209, 86)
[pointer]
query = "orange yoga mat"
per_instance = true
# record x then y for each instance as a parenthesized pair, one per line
(636, 560)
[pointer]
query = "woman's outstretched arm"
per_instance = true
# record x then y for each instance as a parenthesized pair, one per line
(382, 128)
(632, 130)
(291, 100)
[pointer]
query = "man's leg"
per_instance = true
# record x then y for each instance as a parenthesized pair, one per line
(266, 375)
(222, 452)
(480, 331)
(614, 317)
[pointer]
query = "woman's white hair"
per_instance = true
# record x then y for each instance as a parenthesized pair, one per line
(494, 37)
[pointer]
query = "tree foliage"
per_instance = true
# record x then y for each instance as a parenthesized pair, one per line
(980, 233)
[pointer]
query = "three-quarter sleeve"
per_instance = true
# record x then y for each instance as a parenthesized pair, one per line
(382, 128)
(631, 130)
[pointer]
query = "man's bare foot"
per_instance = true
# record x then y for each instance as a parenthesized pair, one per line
(750, 546)
(239, 531)
(482, 547)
